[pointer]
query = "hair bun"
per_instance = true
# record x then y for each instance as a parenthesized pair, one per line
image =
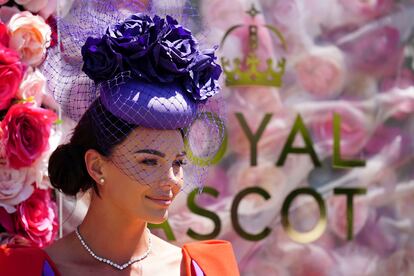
(67, 169)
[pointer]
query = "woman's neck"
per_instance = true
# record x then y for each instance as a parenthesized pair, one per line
(112, 234)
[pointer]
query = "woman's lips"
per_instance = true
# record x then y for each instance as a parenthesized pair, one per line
(160, 201)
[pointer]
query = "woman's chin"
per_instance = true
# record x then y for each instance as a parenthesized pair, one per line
(158, 219)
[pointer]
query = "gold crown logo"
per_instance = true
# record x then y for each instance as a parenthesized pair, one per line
(247, 73)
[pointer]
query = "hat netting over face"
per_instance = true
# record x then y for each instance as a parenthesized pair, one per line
(129, 67)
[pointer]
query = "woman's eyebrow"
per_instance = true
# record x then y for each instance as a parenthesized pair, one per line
(151, 151)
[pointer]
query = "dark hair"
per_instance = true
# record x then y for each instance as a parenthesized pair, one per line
(67, 167)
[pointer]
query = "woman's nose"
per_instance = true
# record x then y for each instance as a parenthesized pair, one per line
(171, 178)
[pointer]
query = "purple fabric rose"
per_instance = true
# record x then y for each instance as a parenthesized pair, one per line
(155, 50)
(175, 52)
(203, 76)
(134, 36)
(100, 62)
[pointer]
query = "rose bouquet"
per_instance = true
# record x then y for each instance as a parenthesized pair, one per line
(27, 130)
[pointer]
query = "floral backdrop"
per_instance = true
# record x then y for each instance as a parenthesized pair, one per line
(352, 58)
(29, 129)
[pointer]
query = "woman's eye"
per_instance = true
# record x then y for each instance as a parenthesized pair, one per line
(180, 163)
(149, 162)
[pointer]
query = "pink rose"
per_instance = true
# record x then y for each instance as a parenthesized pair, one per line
(37, 218)
(368, 9)
(266, 176)
(377, 52)
(43, 7)
(15, 186)
(33, 85)
(401, 262)
(10, 75)
(32, 5)
(403, 80)
(337, 208)
(7, 12)
(354, 129)
(26, 133)
(3, 2)
(354, 257)
(29, 36)
(4, 35)
(49, 9)
(322, 72)
(313, 260)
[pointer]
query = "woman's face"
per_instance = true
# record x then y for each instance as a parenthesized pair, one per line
(144, 173)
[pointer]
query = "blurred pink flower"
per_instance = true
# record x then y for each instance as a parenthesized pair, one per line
(43, 7)
(353, 257)
(403, 80)
(368, 8)
(15, 186)
(382, 137)
(314, 261)
(304, 259)
(354, 130)
(321, 72)
(378, 52)
(32, 5)
(33, 85)
(399, 263)
(37, 218)
(337, 219)
(376, 230)
(7, 12)
(49, 9)
(266, 176)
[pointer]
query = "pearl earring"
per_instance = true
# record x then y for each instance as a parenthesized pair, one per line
(102, 180)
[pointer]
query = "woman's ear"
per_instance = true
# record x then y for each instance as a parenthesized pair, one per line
(95, 164)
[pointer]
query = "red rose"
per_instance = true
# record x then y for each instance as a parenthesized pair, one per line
(10, 75)
(26, 131)
(37, 218)
(4, 35)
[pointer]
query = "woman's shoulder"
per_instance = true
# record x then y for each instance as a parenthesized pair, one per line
(23, 260)
(214, 257)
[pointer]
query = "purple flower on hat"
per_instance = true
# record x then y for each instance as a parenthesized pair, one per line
(134, 36)
(203, 76)
(154, 50)
(175, 52)
(100, 62)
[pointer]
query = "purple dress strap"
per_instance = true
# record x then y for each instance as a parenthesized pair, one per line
(197, 268)
(47, 269)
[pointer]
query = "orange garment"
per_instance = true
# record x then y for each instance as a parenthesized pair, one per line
(215, 257)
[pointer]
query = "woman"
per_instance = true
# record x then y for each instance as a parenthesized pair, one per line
(129, 150)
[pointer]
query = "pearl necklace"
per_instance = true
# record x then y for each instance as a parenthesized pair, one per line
(109, 262)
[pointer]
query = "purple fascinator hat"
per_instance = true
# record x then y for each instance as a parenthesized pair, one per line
(131, 64)
(150, 71)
